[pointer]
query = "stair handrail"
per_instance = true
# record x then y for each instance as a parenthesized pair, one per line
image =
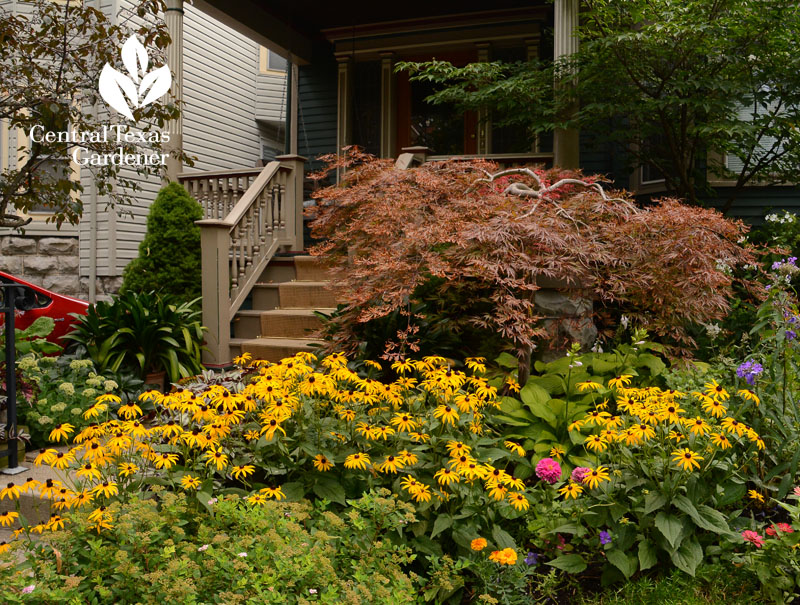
(236, 249)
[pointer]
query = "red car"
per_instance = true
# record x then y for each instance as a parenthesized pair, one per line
(46, 304)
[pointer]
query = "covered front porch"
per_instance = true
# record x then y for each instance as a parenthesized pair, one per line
(343, 89)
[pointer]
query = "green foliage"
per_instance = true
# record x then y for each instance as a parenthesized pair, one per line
(552, 398)
(688, 77)
(142, 332)
(33, 338)
(776, 561)
(169, 255)
(161, 551)
(64, 388)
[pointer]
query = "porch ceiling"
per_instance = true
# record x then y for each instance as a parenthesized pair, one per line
(296, 26)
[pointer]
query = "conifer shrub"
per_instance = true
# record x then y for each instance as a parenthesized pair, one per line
(169, 255)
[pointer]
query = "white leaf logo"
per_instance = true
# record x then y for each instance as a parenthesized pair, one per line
(121, 92)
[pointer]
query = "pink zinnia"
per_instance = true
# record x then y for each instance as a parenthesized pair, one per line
(548, 470)
(578, 473)
(783, 527)
(796, 491)
(753, 537)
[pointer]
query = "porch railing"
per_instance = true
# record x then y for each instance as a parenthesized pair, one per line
(242, 231)
(218, 191)
(414, 156)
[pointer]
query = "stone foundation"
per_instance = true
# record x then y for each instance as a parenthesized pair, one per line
(105, 287)
(49, 262)
(567, 314)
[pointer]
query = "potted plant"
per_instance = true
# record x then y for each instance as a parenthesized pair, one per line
(150, 334)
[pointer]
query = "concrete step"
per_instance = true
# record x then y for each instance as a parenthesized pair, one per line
(275, 349)
(306, 295)
(309, 268)
(247, 324)
(290, 323)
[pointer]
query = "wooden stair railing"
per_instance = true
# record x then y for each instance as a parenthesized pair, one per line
(236, 248)
(218, 191)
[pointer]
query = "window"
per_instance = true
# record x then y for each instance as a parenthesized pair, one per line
(271, 62)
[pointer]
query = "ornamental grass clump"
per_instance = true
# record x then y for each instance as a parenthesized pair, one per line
(303, 427)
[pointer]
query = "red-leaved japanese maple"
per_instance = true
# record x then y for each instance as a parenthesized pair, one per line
(494, 234)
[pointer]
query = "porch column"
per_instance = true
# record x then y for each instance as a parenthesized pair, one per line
(173, 17)
(293, 105)
(344, 111)
(388, 107)
(484, 142)
(215, 245)
(565, 43)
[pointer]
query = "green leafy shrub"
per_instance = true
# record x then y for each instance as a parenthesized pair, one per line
(65, 388)
(142, 332)
(169, 255)
(160, 551)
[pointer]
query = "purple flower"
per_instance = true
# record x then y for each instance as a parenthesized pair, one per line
(548, 470)
(578, 473)
(605, 537)
(750, 370)
(791, 334)
(531, 559)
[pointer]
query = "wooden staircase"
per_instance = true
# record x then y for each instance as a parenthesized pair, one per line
(281, 321)
(259, 290)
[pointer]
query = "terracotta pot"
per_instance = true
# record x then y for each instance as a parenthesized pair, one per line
(156, 379)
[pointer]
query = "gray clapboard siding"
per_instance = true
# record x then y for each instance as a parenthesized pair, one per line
(270, 97)
(219, 128)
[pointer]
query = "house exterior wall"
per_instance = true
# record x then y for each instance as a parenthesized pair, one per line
(231, 112)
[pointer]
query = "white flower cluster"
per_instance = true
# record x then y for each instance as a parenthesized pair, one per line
(724, 267)
(67, 388)
(79, 364)
(787, 217)
(58, 407)
(28, 363)
(712, 330)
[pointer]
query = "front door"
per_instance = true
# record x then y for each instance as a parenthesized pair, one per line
(439, 127)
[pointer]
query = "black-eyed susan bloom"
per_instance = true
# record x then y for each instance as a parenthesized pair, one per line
(391, 464)
(217, 457)
(129, 410)
(749, 395)
(446, 414)
(190, 482)
(716, 391)
(596, 476)
(596, 443)
(106, 489)
(165, 460)
(8, 517)
(571, 490)
(755, 495)
(61, 432)
(273, 492)
(518, 500)
(237, 472)
(686, 459)
(445, 476)
(321, 463)
(404, 422)
(515, 448)
(359, 461)
(721, 440)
